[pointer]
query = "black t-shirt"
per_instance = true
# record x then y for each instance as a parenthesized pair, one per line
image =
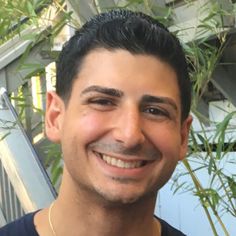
(168, 230)
(25, 227)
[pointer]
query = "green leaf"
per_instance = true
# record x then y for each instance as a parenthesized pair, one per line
(210, 166)
(32, 66)
(201, 138)
(4, 136)
(222, 126)
(232, 186)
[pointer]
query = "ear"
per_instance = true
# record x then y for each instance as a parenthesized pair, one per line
(184, 136)
(55, 109)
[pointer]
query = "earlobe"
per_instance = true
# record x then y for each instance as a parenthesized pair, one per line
(54, 116)
(184, 136)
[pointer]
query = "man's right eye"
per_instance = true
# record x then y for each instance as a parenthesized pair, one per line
(101, 103)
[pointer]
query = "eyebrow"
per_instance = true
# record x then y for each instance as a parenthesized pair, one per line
(104, 90)
(156, 99)
(119, 94)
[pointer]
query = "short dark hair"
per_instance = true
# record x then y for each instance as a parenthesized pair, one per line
(123, 29)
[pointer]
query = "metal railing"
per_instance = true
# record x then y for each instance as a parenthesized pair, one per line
(9, 202)
(25, 185)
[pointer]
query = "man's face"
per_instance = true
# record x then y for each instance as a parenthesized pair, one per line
(121, 131)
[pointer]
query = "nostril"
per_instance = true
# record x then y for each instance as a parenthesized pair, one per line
(129, 139)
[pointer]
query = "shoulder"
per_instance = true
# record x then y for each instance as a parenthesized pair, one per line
(168, 230)
(22, 226)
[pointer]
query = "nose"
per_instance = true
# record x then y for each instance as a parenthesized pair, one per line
(128, 127)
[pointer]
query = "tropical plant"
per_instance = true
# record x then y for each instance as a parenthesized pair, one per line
(210, 146)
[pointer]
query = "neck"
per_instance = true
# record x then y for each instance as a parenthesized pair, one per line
(83, 212)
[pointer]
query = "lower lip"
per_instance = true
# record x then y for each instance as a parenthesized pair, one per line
(124, 172)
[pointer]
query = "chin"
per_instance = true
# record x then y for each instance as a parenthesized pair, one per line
(120, 200)
(125, 197)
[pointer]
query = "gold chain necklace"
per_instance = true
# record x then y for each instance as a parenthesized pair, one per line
(158, 226)
(49, 219)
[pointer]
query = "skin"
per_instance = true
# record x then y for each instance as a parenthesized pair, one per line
(125, 107)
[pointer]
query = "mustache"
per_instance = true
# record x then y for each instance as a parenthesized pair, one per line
(118, 148)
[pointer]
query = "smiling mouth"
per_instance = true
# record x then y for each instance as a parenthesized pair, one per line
(121, 163)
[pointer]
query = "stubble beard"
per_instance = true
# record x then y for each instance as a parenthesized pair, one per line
(106, 198)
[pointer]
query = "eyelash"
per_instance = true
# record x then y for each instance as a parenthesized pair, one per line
(154, 111)
(102, 101)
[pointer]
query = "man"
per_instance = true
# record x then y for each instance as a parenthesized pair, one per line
(121, 115)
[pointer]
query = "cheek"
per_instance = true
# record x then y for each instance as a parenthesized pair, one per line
(168, 141)
(89, 127)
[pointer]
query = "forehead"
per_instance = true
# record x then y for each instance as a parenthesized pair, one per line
(131, 73)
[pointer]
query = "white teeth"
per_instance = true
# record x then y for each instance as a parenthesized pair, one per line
(121, 164)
